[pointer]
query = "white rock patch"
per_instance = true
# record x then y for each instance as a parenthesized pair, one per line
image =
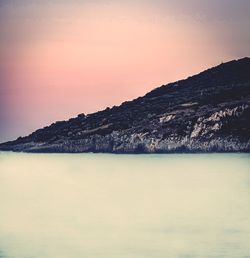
(213, 123)
(165, 119)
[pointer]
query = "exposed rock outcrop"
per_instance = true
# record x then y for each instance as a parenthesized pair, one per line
(204, 113)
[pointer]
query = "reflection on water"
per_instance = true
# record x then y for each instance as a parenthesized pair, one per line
(124, 206)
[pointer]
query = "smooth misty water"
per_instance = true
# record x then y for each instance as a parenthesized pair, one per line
(124, 206)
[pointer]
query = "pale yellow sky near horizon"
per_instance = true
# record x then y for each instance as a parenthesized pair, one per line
(61, 58)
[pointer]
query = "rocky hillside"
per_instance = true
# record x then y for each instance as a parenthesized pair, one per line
(205, 113)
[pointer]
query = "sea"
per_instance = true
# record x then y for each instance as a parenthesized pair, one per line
(124, 206)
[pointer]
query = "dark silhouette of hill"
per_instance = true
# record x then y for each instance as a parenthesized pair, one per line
(204, 113)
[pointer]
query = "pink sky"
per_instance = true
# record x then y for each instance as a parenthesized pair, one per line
(59, 59)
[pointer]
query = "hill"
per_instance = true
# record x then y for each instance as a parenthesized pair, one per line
(208, 112)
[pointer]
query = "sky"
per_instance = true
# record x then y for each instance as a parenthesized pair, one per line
(60, 58)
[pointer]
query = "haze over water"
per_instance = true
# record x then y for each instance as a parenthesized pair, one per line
(124, 206)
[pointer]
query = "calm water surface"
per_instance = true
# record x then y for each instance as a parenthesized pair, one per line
(124, 206)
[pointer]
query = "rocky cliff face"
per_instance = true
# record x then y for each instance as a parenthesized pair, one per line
(204, 113)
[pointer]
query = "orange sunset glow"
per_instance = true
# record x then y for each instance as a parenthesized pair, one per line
(62, 58)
